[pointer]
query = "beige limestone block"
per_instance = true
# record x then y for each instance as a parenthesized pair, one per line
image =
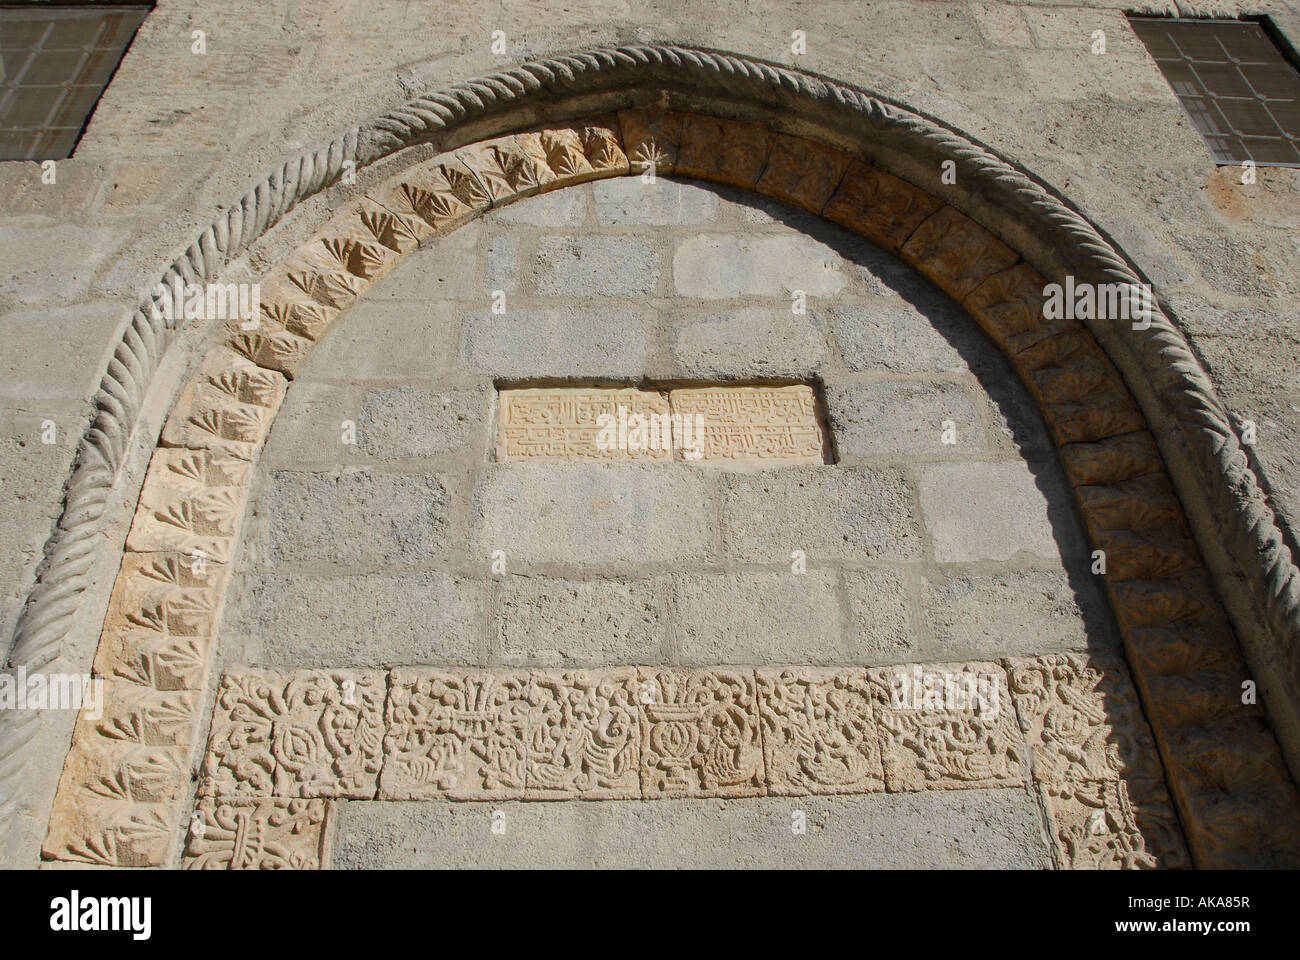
(312, 733)
(455, 735)
(755, 425)
(583, 423)
(583, 735)
(651, 138)
(191, 503)
(879, 205)
(106, 831)
(700, 734)
(956, 253)
(819, 731)
(227, 408)
(264, 834)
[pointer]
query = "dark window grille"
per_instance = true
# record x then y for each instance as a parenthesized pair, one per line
(54, 63)
(1234, 82)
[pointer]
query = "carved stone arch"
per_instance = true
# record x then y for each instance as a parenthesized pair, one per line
(1140, 432)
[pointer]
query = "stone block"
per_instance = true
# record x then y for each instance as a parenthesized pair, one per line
(881, 625)
(716, 266)
(631, 202)
(749, 342)
(595, 266)
(579, 515)
(752, 618)
(574, 341)
(543, 620)
(410, 422)
(355, 516)
(906, 418)
(583, 423)
(830, 514)
(1015, 513)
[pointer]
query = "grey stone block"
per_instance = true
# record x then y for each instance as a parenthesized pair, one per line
(582, 514)
(992, 511)
(566, 207)
(941, 829)
(760, 618)
(308, 428)
(295, 621)
(881, 629)
(903, 418)
(445, 269)
(595, 266)
(556, 342)
(723, 266)
(831, 513)
(1014, 613)
(355, 516)
(750, 342)
(627, 201)
(545, 621)
(501, 266)
(384, 339)
(893, 335)
(410, 422)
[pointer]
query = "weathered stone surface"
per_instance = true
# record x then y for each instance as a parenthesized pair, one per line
(802, 173)
(574, 514)
(407, 422)
(985, 829)
(1015, 514)
(266, 834)
(634, 203)
(715, 266)
(881, 623)
(541, 620)
(581, 423)
(890, 418)
(1021, 612)
(577, 341)
(749, 342)
(749, 618)
(306, 734)
(357, 516)
(895, 336)
(731, 151)
(299, 619)
(759, 425)
(595, 266)
(856, 513)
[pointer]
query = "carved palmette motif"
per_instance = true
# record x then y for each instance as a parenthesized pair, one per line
(268, 834)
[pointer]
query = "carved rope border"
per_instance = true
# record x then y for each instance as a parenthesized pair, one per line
(1201, 448)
